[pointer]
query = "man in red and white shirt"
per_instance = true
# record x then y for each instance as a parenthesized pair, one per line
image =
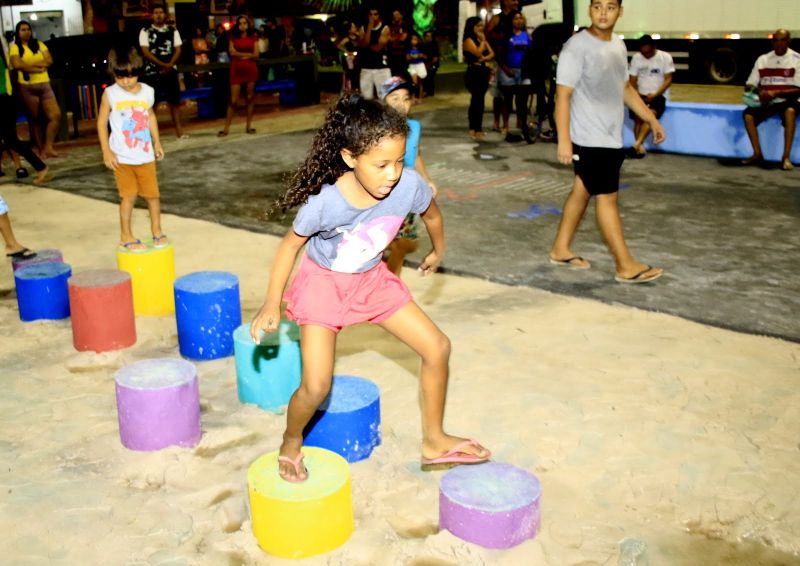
(776, 79)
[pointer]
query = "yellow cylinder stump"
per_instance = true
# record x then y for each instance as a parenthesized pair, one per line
(296, 520)
(152, 278)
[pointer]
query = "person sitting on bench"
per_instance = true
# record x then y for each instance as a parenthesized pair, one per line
(776, 80)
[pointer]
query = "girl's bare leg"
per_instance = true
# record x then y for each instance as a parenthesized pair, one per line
(250, 99)
(235, 90)
(53, 113)
(317, 348)
(414, 328)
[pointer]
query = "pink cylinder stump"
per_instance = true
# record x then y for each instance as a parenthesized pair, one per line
(158, 404)
(494, 505)
(42, 256)
(101, 303)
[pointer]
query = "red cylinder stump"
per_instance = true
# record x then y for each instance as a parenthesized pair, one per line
(101, 302)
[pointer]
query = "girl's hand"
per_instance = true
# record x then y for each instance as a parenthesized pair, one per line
(430, 264)
(434, 190)
(564, 150)
(110, 160)
(267, 319)
(159, 151)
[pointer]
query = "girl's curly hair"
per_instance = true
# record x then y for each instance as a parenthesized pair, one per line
(353, 123)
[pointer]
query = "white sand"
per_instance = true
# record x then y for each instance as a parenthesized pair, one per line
(637, 424)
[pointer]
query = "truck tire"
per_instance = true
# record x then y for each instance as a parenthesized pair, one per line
(722, 65)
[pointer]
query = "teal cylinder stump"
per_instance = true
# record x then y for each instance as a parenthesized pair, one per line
(269, 372)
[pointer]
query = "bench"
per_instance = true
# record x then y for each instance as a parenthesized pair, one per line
(715, 130)
(286, 88)
(204, 97)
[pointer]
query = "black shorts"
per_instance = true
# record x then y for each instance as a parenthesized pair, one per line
(761, 113)
(657, 105)
(598, 168)
(166, 87)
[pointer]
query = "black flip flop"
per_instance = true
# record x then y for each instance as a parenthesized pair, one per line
(638, 278)
(568, 262)
(24, 253)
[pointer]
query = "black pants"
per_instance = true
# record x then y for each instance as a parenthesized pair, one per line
(477, 82)
(8, 133)
(518, 95)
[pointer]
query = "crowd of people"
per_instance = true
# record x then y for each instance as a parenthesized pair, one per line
(501, 58)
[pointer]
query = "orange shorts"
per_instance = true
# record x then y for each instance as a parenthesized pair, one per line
(137, 180)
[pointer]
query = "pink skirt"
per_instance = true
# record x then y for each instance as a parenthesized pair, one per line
(335, 300)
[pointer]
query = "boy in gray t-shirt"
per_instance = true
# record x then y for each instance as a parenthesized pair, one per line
(592, 92)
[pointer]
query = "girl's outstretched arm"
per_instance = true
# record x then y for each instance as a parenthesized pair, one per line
(269, 315)
(434, 223)
(419, 165)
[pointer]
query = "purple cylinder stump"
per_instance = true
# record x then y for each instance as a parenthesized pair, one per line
(42, 256)
(158, 404)
(493, 505)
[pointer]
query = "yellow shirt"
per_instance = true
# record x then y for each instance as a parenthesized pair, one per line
(31, 58)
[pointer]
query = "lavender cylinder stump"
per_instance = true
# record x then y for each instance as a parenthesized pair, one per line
(101, 303)
(207, 312)
(158, 404)
(42, 256)
(494, 505)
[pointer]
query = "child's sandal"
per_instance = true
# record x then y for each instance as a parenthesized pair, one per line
(136, 246)
(160, 241)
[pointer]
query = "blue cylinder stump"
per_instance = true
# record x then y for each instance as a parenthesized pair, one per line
(268, 373)
(349, 421)
(207, 311)
(42, 291)
(494, 505)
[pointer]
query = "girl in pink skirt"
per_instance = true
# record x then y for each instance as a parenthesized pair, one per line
(354, 196)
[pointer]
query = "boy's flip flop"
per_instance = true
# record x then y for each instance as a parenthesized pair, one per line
(297, 464)
(639, 277)
(24, 253)
(454, 457)
(160, 241)
(129, 247)
(569, 262)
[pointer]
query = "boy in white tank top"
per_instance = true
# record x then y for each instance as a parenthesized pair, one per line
(133, 146)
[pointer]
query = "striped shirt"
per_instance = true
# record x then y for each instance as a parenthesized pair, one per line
(772, 73)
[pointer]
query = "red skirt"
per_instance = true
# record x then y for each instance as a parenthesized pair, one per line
(243, 71)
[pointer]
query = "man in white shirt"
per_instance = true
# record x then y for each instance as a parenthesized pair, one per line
(776, 80)
(650, 73)
(161, 48)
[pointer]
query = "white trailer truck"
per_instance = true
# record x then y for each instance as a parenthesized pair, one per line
(711, 40)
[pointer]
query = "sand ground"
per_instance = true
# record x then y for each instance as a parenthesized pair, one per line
(639, 425)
